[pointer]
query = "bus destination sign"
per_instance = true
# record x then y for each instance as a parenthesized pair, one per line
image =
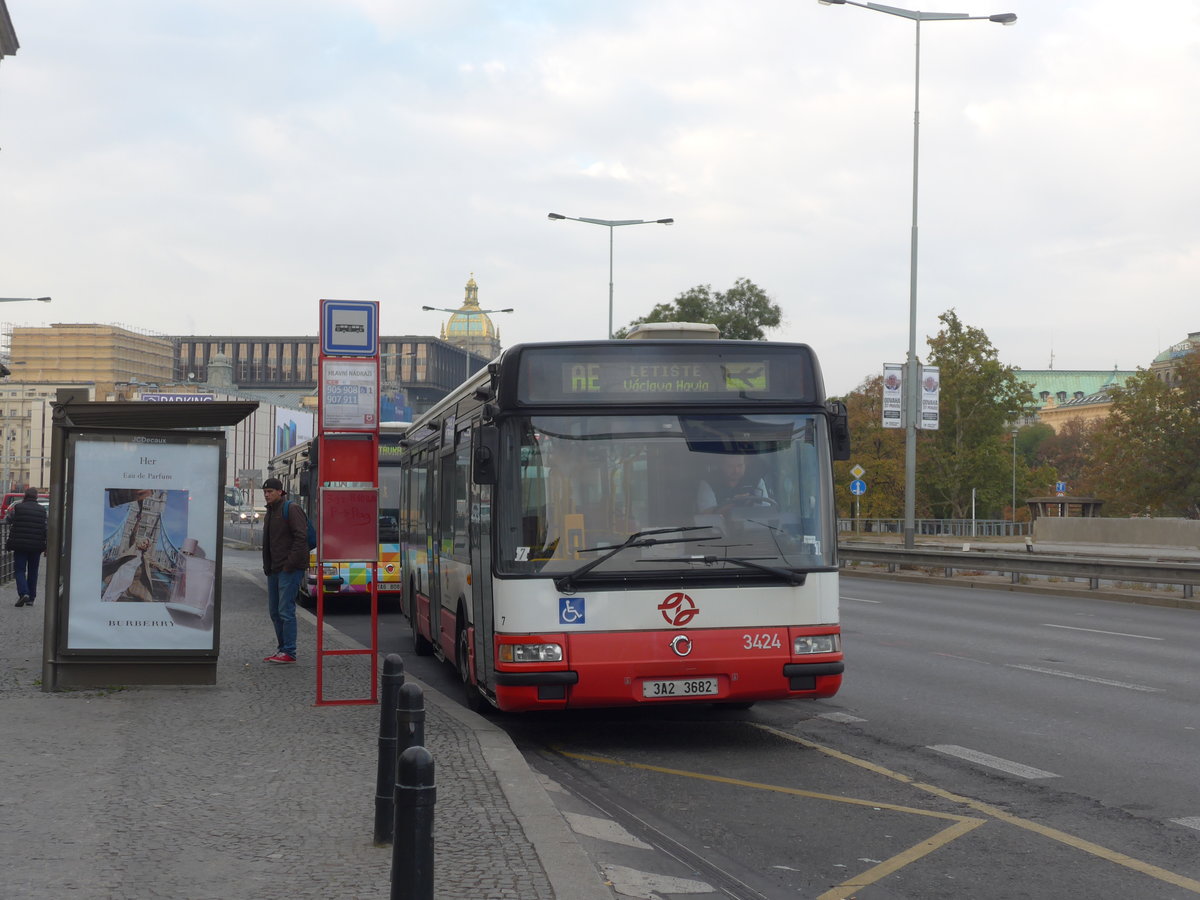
(674, 377)
(644, 372)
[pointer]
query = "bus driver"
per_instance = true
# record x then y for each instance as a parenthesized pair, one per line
(728, 487)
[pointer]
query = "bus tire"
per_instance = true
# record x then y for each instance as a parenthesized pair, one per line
(472, 696)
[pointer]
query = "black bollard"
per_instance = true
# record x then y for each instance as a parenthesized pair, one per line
(410, 717)
(385, 774)
(412, 849)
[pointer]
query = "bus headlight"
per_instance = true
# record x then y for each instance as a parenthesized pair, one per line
(815, 643)
(530, 653)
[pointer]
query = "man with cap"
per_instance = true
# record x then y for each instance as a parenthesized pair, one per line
(285, 558)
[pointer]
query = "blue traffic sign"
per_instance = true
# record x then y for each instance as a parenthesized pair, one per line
(349, 327)
(1060, 487)
(858, 487)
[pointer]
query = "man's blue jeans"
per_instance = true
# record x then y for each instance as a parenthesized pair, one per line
(26, 564)
(282, 588)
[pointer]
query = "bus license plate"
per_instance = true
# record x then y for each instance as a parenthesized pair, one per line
(679, 687)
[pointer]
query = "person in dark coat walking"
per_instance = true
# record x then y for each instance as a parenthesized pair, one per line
(285, 559)
(27, 528)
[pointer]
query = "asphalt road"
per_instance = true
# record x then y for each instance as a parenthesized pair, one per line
(985, 744)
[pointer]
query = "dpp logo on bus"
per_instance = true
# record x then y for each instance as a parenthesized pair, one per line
(678, 609)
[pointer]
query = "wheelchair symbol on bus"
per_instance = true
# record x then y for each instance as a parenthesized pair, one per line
(570, 611)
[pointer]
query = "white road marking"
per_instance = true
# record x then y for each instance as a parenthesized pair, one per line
(992, 762)
(844, 718)
(604, 829)
(1092, 678)
(963, 658)
(1189, 822)
(861, 599)
(645, 885)
(1144, 637)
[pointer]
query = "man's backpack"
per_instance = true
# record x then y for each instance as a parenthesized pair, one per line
(312, 532)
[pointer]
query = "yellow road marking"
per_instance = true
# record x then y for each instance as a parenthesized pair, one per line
(1053, 834)
(962, 824)
(900, 860)
(738, 782)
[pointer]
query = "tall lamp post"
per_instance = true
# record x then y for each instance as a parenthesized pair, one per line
(610, 224)
(467, 343)
(912, 388)
(1014, 482)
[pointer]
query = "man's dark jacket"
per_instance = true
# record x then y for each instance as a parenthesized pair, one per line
(27, 527)
(285, 543)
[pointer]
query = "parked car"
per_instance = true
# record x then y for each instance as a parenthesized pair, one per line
(13, 498)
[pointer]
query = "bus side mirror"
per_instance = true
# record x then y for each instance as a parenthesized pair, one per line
(485, 454)
(839, 429)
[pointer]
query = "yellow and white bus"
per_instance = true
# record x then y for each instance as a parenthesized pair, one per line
(299, 470)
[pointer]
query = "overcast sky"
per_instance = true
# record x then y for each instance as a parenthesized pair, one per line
(218, 166)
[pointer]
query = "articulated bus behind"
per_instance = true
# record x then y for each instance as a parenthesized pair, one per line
(299, 470)
(618, 523)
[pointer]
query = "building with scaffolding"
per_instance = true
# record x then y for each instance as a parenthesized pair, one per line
(100, 355)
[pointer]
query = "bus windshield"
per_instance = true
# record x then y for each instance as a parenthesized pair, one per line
(710, 495)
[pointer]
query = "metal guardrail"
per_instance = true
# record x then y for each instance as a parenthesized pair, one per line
(250, 535)
(6, 557)
(943, 527)
(1094, 568)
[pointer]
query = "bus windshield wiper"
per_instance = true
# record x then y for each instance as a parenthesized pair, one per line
(791, 576)
(566, 583)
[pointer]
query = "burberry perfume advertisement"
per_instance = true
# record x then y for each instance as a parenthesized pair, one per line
(143, 542)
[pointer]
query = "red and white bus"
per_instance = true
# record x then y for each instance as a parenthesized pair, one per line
(614, 523)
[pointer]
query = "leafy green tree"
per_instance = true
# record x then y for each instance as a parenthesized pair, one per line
(879, 450)
(1069, 452)
(980, 396)
(1145, 456)
(743, 313)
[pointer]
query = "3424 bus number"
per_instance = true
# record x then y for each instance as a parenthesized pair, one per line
(767, 640)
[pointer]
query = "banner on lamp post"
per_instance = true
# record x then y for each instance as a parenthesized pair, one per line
(931, 391)
(893, 395)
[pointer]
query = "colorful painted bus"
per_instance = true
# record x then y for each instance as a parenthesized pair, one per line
(617, 523)
(299, 470)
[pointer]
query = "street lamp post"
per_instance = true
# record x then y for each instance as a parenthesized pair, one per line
(1014, 480)
(911, 377)
(610, 224)
(467, 342)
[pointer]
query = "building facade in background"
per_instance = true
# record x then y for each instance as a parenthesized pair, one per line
(105, 355)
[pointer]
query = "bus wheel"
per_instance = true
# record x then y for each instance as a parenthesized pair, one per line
(474, 699)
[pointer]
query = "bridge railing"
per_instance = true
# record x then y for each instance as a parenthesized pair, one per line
(945, 527)
(1095, 569)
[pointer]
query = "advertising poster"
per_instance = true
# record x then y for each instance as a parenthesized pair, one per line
(931, 389)
(292, 427)
(349, 397)
(142, 552)
(893, 410)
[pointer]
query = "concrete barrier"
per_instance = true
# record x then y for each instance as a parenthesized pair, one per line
(1184, 533)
